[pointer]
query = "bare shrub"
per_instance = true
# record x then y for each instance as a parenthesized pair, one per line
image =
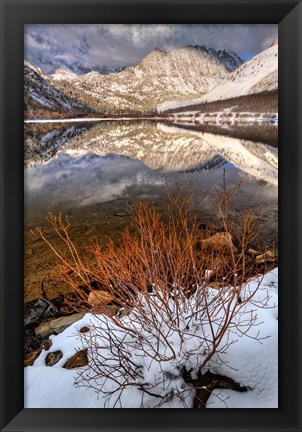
(160, 273)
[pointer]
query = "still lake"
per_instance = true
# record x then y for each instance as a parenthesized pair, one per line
(91, 172)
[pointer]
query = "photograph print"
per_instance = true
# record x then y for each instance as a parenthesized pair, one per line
(151, 216)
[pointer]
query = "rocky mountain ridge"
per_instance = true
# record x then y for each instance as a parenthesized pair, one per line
(228, 58)
(75, 70)
(178, 74)
(257, 75)
(41, 96)
(162, 81)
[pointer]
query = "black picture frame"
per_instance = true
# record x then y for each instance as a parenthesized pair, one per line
(16, 13)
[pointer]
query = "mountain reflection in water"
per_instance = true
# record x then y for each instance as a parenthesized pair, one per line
(91, 173)
(116, 160)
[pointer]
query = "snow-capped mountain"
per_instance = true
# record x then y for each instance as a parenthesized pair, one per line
(178, 74)
(75, 70)
(257, 75)
(228, 58)
(39, 94)
(167, 80)
(62, 72)
(49, 66)
(31, 67)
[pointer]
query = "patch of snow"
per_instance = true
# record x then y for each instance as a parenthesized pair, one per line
(256, 364)
(78, 120)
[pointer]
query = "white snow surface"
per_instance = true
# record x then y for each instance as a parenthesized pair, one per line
(63, 72)
(258, 74)
(79, 120)
(249, 362)
(255, 364)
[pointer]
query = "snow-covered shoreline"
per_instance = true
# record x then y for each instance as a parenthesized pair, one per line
(89, 119)
(189, 117)
(226, 117)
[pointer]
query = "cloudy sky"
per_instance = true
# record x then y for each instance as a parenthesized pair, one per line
(127, 44)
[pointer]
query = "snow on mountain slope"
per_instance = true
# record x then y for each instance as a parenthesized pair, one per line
(40, 94)
(62, 72)
(258, 74)
(161, 76)
(38, 70)
(49, 66)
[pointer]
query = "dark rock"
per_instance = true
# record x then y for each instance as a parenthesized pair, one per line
(46, 344)
(36, 310)
(53, 357)
(38, 93)
(206, 383)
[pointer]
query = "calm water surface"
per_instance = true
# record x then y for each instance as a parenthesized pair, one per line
(92, 172)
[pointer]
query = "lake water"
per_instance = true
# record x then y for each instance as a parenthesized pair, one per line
(91, 172)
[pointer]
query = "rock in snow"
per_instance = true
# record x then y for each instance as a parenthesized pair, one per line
(53, 357)
(56, 326)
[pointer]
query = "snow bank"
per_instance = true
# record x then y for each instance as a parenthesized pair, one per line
(53, 387)
(254, 364)
(250, 362)
(79, 120)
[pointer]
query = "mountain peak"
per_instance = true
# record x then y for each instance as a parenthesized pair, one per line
(181, 62)
(62, 71)
(156, 49)
(227, 58)
(29, 65)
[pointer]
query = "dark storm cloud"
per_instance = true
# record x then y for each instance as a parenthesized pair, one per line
(124, 45)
